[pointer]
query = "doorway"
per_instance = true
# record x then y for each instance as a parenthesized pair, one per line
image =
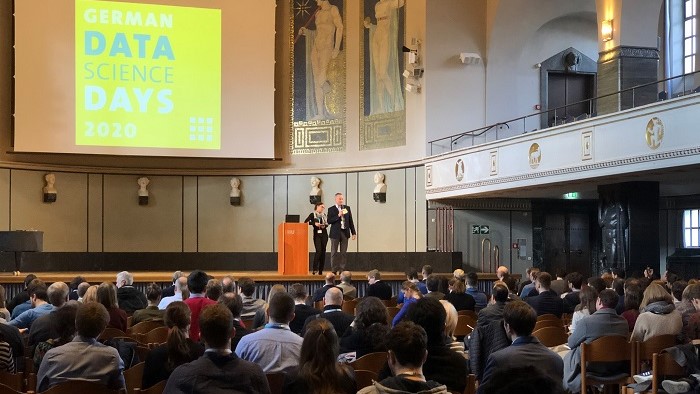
(567, 88)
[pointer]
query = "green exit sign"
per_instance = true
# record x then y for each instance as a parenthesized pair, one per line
(480, 229)
(571, 196)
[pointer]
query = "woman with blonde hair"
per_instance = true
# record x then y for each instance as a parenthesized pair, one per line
(658, 315)
(90, 294)
(451, 326)
(107, 296)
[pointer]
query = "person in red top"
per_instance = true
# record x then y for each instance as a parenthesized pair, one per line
(197, 283)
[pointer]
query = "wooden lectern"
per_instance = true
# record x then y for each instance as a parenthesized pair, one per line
(293, 249)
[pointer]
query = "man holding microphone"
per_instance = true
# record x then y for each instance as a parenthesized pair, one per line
(342, 228)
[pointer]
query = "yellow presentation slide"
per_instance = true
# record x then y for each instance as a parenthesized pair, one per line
(142, 78)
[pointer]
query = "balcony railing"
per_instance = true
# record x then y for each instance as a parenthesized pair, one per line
(633, 97)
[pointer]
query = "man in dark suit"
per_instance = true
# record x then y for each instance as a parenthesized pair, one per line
(342, 228)
(376, 287)
(321, 292)
(333, 312)
(547, 301)
(605, 321)
(170, 290)
(234, 303)
(301, 310)
(519, 320)
(318, 222)
(573, 297)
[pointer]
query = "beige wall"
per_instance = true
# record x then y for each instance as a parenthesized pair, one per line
(100, 212)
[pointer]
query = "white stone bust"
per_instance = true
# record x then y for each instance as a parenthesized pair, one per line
(143, 184)
(315, 186)
(50, 187)
(379, 181)
(235, 187)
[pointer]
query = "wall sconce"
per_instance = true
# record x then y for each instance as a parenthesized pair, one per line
(606, 30)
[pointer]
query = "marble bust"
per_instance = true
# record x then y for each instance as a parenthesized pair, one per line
(316, 192)
(379, 194)
(143, 191)
(50, 192)
(235, 195)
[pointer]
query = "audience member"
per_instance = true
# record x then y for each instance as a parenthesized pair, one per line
(607, 279)
(197, 283)
(512, 285)
(376, 287)
(246, 288)
(459, 297)
(234, 303)
(62, 330)
(367, 334)
(7, 358)
(598, 284)
(559, 285)
(318, 371)
(431, 284)
(333, 312)
(349, 291)
(677, 291)
(130, 299)
(502, 272)
(522, 380)
(633, 298)
(494, 311)
(4, 313)
(90, 294)
(480, 299)
(179, 348)
(526, 289)
(38, 297)
(214, 289)
(527, 280)
(275, 348)
(21, 298)
(43, 328)
(180, 291)
(13, 338)
(459, 274)
(519, 320)
(409, 352)
(84, 358)
(151, 312)
(547, 301)
(301, 310)
(586, 306)
(443, 364)
(73, 287)
(412, 276)
(82, 289)
(425, 272)
(229, 284)
(321, 292)
(604, 321)
(260, 318)
(411, 296)
(219, 369)
(450, 326)
(170, 290)
(572, 298)
(107, 296)
(658, 315)
(619, 286)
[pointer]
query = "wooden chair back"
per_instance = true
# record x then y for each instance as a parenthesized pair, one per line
(15, 381)
(129, 319)
(468, 313)
(548, 316)
(275, 381)
(365, 378)
(248, 323)
(373, 362)
(158, 335)
(142, 351)
(80, 386)
(566, 318)
(547, 323)
(392, 312)
(157, 388)
(664, 365)
(110, 333)
(646, 349)
(145, 326)
(5, 389)
(318, 305)
(605, 349)
(551, 336)
(349, 306)
(133, 376)
(465, 326)
(389, 303)
(471, 384)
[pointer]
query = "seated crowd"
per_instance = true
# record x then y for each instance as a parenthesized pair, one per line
(222, 338)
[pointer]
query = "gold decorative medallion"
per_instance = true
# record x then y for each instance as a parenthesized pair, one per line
(535, 155)
(655, 133)
(459, 170)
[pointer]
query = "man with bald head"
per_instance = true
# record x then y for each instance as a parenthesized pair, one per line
(180, 286)
(501, 272)
(333, 302)
(321, 292)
